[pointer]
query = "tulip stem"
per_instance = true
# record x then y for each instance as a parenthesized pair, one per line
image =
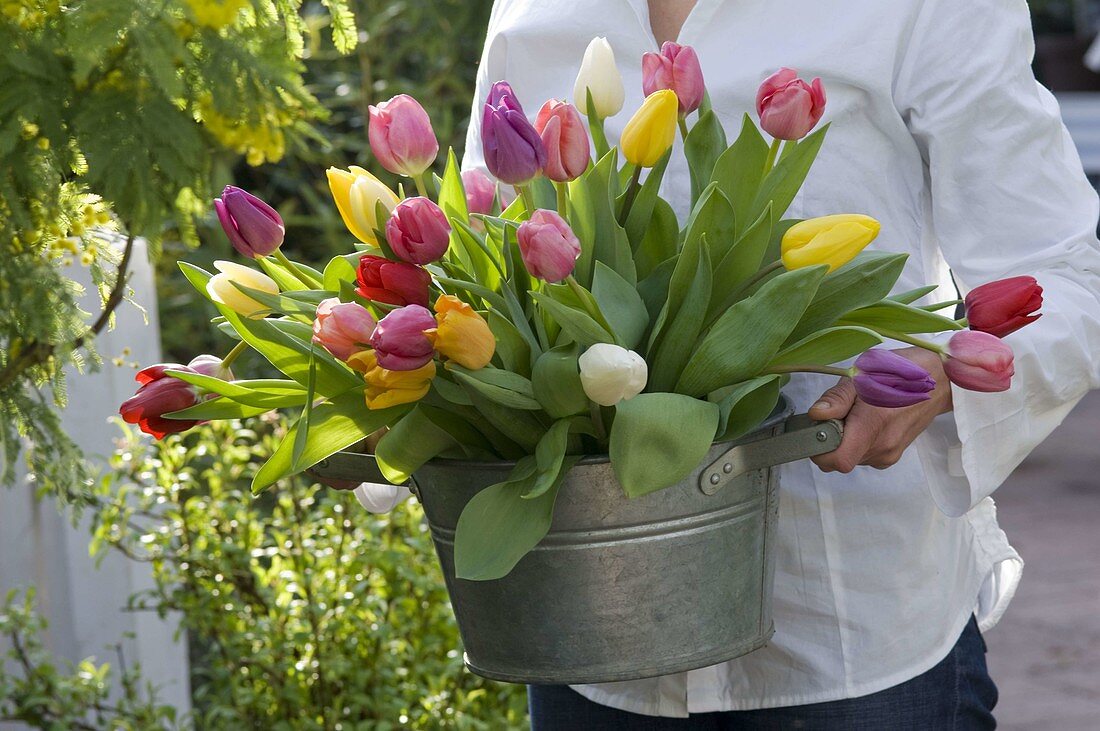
(962, 322)
(682, 122)
(807, 368)
(419, 181)
(586, 299)
(233, 354)
(631, 194)
(906, 338)
(597, 421)
(310, 281)
(773, 153)
(563, 199)
(528, 198)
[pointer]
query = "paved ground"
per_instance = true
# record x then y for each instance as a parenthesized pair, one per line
(1045, 653)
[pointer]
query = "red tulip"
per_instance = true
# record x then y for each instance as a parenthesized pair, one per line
(978, 361)
(342, 328)
(401, 136)
(418, 231)
(565, 138)
(548, 246)
(677, 68)
(1004, 306)
(399, 341)
(392, 282)
(788, 106)
(161, 394)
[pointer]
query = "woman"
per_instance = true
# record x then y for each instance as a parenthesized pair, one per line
(890, 560)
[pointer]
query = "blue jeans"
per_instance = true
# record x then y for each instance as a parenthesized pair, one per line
(956, 694)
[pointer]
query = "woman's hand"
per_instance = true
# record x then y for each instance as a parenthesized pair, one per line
(876, 436)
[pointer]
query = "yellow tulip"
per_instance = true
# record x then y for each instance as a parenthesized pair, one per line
(650, 132)
(356, 191)
(461, 334)
(222, 290)
(833, 240)
(386, 388)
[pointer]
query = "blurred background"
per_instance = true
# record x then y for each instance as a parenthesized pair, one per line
(143, 587)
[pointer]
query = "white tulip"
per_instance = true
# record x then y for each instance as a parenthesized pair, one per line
(381, 498)
(610, 374)
(221, 289)
(600, 75)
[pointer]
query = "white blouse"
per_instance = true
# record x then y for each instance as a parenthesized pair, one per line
(942, 133)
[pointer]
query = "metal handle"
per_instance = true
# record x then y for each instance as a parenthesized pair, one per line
(351, 466)
(802, 437)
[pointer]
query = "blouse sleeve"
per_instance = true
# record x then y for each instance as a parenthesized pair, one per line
(1008, 197)
(491, 68)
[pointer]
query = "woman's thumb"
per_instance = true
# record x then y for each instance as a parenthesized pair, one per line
(836, 402)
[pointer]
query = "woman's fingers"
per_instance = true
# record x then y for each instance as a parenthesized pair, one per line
(836, 402)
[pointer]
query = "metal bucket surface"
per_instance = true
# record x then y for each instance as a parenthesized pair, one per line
(623, 588)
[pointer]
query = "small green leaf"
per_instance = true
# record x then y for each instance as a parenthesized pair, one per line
(744, 406)
(556, 381)
(641, 210)
(912, 295)
(621, 304)
(704, 143)
(302, 432)
(827, 346)
(891, 315)
(576, 324)
(549, 455)
(784, 181)
(682, 332)
(503, 387)
(410, 443)
(738, 171)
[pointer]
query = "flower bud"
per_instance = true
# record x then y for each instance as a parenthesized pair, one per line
(833, 240)
(566, 140)
(481, 191)
(161, 394)
(650, 132)
(399, 339)
(392, 282)
(788, 106)
(677, 68)
(888, 379)
(342, 328)
(610, 374)
(418, 231)
(386, 388)
(1004, 306)
(461, 334)
(512, 147)
(380, 498)
(356, 193)
(222, 289)
(978, 361)
(548, 246)
(401, 136)
(599, 76)
(253, 227)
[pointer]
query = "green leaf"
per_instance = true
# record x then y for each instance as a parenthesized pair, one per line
(595, 126)
(912, 295)
(556, 381)
(284, 278)
(304, 421)
(520, 425)
(280, 303)
(749, 334)
(592, 218)
(253, 393)
(657, 439)
(549, 455)
(654, 288)
(784, 181)
(827, 346)
(576, 324)
(225, 408)
(498, 526)
(641, 211)
(741, 262)
(410, 443)
(682, 332)
(744, 406)
(661, 240)
(704, 143)
(503, 387)
(512, 349)
(862, 281)
(621, 304)
(340, 269)
(891, 315)
(334, 425)
(711, 217)
(739, 171)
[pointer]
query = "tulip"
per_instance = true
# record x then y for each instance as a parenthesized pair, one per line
(356, 193)
(161, 394)
(342, 328)
(599, 76)
(379, 497)
(481, 191)
(399, 339)
(401, 136)
(888, 379)
(392, 282)
(1004, 306)
(501, 94)
(461, 334)
(677, 68)
(223, 290)
(650, 132)
(548, 246)
(512, 147)
(978, 361)
(253, 227)
(566, 140)
(610, 374)
(788, 106)
(386, 388)
(418, 231)
(833, 240)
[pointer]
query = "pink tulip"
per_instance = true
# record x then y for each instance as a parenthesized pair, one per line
(401, 136)
(677, 68)
(342, 328)
(565, 138)
(978, 361)
(418, 231)
(548, 246)
(160, 394)
(788, 106)
(399, 341)
(481, 191)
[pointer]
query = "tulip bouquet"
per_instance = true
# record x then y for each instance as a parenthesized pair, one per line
(580, 317)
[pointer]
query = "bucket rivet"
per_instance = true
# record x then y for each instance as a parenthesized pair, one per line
(727, 468)
(822, 436)
(715, 478)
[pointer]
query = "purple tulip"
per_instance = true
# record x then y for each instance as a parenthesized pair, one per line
(399, 341)
(513, 149)
(887, 379)
(418, 231)
(253, 227)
